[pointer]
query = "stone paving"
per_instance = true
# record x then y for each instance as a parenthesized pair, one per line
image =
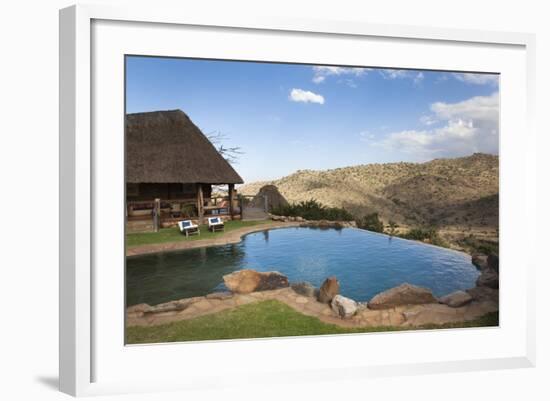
(406, 316)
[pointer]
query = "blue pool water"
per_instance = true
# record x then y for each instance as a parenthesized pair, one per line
(365, 263)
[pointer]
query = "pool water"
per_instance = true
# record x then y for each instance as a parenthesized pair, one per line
(365, 263)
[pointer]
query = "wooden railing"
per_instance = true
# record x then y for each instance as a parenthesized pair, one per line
(170, 210)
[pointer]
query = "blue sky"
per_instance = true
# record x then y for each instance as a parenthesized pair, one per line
(287, 117)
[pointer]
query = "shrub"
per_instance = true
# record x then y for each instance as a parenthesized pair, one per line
(425, 234)
(313, 210)
(393, 228)
(420, 234)
(371, 222)
(476, 245)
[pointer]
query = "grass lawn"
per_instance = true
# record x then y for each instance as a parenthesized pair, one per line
(261, 319)
(173, 234)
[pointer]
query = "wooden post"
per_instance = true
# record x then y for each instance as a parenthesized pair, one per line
(200, 203)
(231, 200)
(156, 215)
(241, 203)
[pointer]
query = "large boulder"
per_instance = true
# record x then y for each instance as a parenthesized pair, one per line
(456, 299)
(343, 307)
(304, 288)
(405, 294)
(246, 281)
(329, 289)
(488, 278)
(275, 200)
(492, 261)
(480, 261)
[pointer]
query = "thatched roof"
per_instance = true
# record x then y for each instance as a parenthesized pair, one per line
(166, 147)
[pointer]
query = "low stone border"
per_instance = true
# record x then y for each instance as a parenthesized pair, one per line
(485, 301)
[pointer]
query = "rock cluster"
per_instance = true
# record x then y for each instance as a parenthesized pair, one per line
(287, 218)
(480, 261)
(329, 289)
(304, 288)
(405, 294)
(343, 307)
(489, 267)
(488, 278)
(247, 280)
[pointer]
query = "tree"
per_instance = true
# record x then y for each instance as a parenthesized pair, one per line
(231, 154)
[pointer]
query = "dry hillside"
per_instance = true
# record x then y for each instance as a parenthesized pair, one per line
(452, 194)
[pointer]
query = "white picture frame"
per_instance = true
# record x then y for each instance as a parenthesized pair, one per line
(91, 364)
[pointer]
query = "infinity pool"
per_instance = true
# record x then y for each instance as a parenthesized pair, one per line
(365, 263)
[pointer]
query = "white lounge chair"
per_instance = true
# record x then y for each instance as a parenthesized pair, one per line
(216, 224)
(188, 228)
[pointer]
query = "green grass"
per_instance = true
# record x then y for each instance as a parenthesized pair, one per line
(262, 319)
(173, 234)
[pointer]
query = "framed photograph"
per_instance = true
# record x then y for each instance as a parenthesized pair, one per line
(296, 197)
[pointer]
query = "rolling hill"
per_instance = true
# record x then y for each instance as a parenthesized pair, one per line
(458, 194)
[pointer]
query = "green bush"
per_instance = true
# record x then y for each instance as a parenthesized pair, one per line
(425, 234)
(476, 245)
(371, 222)
(420, 234)
(313, 210)
(392, 228)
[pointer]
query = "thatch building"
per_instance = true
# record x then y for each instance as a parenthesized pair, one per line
(169, 158)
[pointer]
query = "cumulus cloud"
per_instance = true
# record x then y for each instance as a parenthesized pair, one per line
(427, 120)
(477, 79)
(320, 73)
(300, 95)
(458, 129)
(478, 108)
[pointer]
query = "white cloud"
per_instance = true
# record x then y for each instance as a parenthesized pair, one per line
(480, 108)
(394, 74)
(320, 73)
(477, 79)
(366, 136)
(418, 78)
(428, 120)
(464, 128)
(300, 95)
